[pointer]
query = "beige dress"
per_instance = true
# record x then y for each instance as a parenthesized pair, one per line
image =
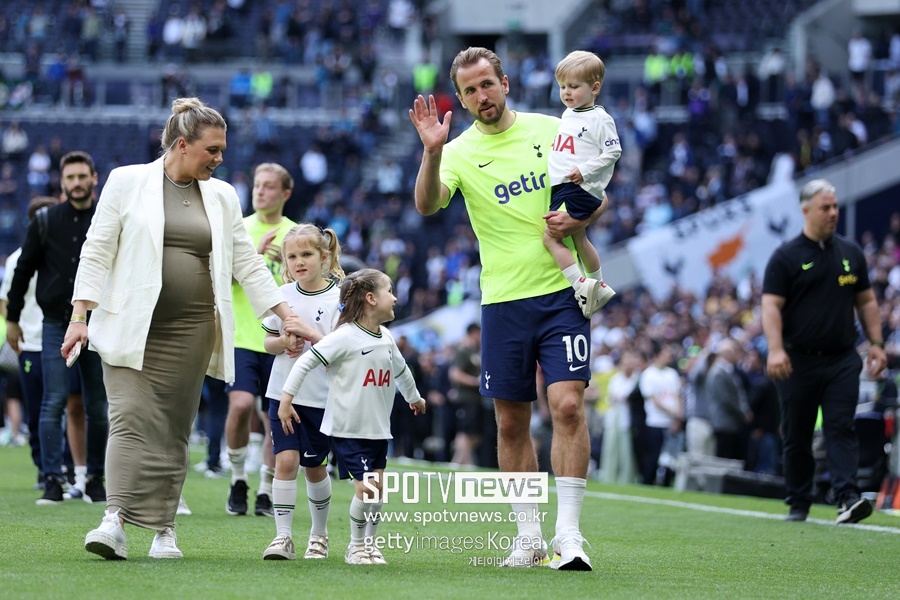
(151, 411)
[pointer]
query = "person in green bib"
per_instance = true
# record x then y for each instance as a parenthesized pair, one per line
(272, 187)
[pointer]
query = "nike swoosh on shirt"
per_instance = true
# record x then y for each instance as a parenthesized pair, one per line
(574, 368)
(807, 266)
(481, 166)
(364, 352)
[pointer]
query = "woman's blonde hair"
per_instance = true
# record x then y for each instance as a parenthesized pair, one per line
(353, 293)
(324, 240)
(190, 116)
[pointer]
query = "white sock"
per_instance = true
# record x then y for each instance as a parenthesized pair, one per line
(573, 274)
(529, 527)
(570, 495)
(284, 500)
(598, 275)
(238, 458)
(255, 444)
(319, 497)
(374, 519)
(358, 511)
(266, 475)
(80, 477)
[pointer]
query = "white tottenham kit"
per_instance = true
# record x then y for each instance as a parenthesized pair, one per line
(587, 139)
(320, 311)
(362, 367)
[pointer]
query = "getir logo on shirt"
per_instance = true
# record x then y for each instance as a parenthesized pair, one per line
(525, 184)
(380, 379)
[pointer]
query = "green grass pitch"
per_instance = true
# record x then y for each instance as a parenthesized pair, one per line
(645, 543)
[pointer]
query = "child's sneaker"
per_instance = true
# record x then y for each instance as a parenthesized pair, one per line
(592, 295)
(357, 555)
(317, 547)
(281, 548)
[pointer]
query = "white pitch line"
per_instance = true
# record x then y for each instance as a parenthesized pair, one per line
(730, 511)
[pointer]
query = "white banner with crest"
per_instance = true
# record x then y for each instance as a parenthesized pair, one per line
(734, 238)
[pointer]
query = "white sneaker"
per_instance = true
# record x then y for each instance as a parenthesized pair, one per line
(569, 554)
(108, 540)
(528, 551)
(317, 547)
(376, 557)
(165, 545)
(281, 548)
(183, 507)
(592, 295)
(357, 555)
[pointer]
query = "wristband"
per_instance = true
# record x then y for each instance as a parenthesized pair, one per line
(879, 343)
(78, 319)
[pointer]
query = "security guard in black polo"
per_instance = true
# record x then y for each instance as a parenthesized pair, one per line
(812, 285)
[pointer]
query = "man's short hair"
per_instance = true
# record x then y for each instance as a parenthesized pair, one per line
(814, 187)
(77, 156)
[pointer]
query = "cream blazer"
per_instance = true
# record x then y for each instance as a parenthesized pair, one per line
(120, 273)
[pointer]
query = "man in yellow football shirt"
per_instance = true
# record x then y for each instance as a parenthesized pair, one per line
(272, 187)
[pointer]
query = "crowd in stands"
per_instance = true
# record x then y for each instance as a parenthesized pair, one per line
(700, 333)
(669, 168)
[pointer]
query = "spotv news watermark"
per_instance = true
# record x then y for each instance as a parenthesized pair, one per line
(463, 488)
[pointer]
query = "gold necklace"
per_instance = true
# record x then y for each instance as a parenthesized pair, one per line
(184, 200)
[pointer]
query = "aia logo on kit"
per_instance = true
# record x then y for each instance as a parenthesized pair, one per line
(379, 378)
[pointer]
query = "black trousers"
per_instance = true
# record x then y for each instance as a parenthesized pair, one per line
(831, 382)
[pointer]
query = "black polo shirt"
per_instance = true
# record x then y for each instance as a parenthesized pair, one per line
(819, 282)
(55, 260)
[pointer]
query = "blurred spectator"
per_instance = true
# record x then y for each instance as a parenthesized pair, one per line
(390, 177)
(70, 28)
(193, 35)
(39, 171)
(764, 451)
(699, 436)
(729, 412)
(240, 88)
(75, 79)
(265, 131)
(314, 168)
(56, 75)
(120, 25)
(770, 73)
(154, 33)
(14, 143)
(261, 84)
(859, 51)
(38, 25)
(465, 397)
(91, 29)
(242, 188)
(172, 34)
(660, 385)
(400, 15)
(822, 98)
(617, 464)
(425, 74)
(9, 185)
(218, 24)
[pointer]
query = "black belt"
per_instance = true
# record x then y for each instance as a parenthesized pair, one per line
(809, 351)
